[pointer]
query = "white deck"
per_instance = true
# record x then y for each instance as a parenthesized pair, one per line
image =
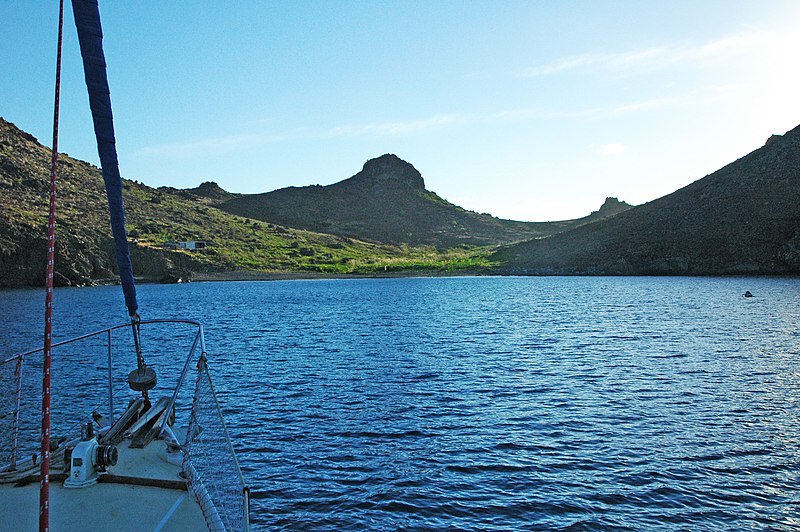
(106, 506)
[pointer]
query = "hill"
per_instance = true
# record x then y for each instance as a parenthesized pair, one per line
(387, 202)
(742, 219)
(84, 252)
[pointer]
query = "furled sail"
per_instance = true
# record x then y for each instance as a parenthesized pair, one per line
(90, 36)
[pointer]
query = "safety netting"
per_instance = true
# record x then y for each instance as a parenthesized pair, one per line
(209, 461)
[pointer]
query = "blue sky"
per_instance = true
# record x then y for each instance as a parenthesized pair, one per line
(526, 110)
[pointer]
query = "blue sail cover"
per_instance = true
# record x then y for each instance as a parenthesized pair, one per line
(90, 35)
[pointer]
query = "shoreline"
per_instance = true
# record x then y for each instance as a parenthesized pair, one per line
(201, 277)
(210, 277)
(240, 276)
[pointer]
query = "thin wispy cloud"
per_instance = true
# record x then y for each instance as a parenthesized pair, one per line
(213, 145)
(232, 143)
(609, 60)
(691, 97)
(644, 105)
(612, 111)
(523, 113)
(655, 57)
(396, 128)
(432, 123)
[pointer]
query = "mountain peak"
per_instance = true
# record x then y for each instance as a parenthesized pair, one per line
(208, 191)
(391, 169)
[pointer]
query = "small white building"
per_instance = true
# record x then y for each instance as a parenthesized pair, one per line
(191, 245)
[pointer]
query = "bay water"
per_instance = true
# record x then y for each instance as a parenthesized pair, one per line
(490, 403)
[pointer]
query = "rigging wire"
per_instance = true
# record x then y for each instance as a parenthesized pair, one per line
(44, 485)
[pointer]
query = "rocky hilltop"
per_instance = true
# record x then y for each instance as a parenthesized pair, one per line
(387, 171)
(208, 192)
(742, 219)
(610, 207)
(387, 201)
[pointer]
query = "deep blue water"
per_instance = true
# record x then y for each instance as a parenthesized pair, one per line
(492, 403)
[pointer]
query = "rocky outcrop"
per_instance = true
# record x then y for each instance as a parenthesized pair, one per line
(155, 265)
(208, 191)
(23, 253)
(388, 170)
(610, 207)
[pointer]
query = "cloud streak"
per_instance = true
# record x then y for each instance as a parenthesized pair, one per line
(232, 143)
(656, 57)
(396, 128)
(216, 145)
(613, 60)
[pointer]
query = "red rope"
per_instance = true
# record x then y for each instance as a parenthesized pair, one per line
(44, 487)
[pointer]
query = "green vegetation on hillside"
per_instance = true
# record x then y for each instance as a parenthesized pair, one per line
(234, 242)
(157, 217)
